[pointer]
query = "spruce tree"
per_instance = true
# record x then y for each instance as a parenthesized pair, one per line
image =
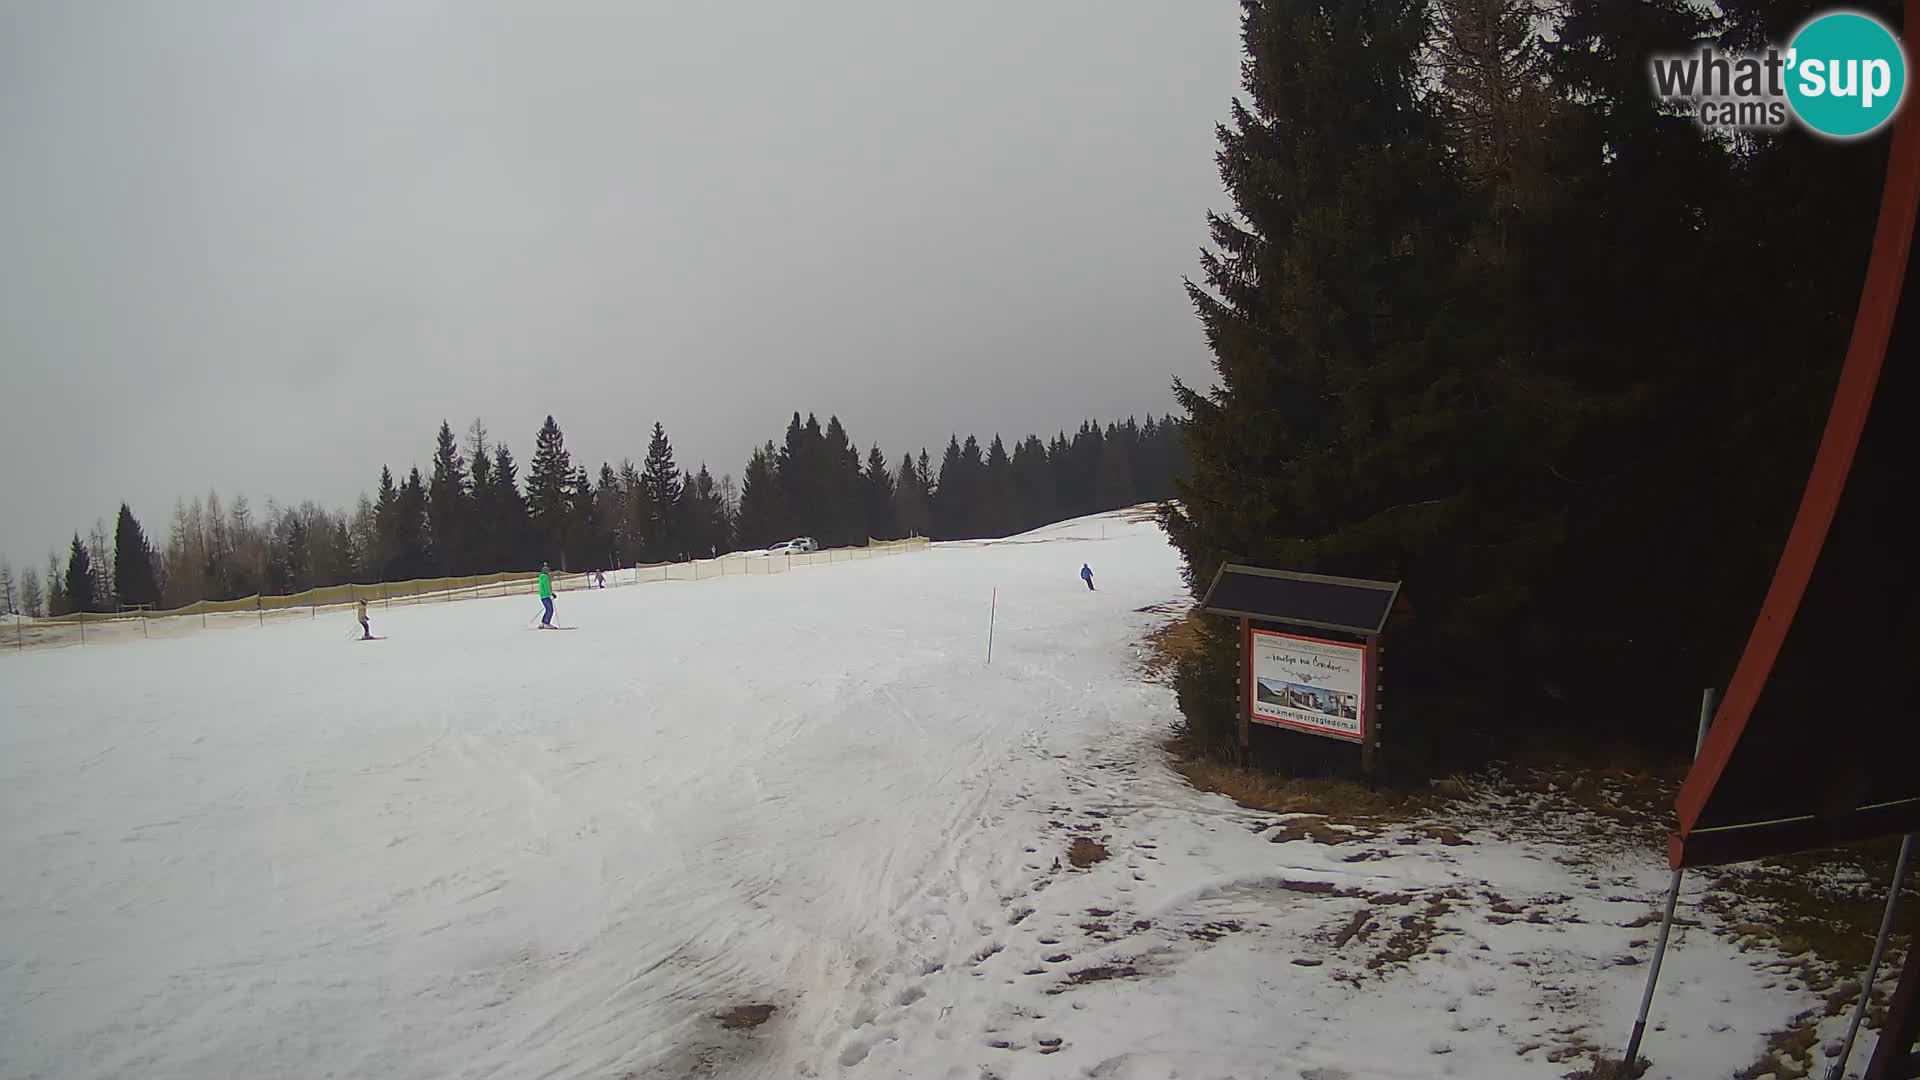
(843, 518)
(877, 488)
(1340, 438)
(1114, 479)
(763, 514)
(387, 526)
(511, 528)
(1032, 484)
(485, 552)
(999, 514)
(630, 524)
(9, 591)
(662, 479)
(911, 511)
(133, 580)
(79, 581)
(414, 557)
(549, 503)
(950, 516)
(703, 518)
(448, 511)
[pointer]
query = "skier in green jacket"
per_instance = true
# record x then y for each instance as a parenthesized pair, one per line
(546, 597)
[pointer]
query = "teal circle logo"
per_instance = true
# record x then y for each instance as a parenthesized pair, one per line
(1847, 74)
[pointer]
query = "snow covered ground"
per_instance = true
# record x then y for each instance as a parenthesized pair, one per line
(476, 850)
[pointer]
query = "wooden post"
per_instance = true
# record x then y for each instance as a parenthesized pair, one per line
(82, 616)
(259, 610)
(1243, 682)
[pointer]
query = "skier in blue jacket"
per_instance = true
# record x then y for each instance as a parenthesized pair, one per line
(1086, 575)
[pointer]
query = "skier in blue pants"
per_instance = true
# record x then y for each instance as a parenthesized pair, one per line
(1086, 575)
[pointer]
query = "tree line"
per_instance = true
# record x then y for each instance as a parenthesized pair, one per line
(473, 513)
(1490, 320)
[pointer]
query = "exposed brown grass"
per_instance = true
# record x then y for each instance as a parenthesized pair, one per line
(1085, 852)
(1789, 1054)
(1347, 801)
(1607, 1068)
(1168, 643)
(1102, 974)
(745, 1017)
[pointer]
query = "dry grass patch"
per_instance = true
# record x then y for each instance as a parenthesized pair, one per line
(1789, 1054)
(1607, 1068)
(1085, 852)
(1318, 831)
(745, 1017)
(1102, 974)
(1170, 642)
(1261, 789)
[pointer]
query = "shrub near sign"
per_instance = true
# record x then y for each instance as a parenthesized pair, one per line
(1308, 684)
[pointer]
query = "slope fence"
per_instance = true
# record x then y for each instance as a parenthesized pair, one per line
(259, 611)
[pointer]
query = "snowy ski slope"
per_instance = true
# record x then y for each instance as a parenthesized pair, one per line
(475, 850)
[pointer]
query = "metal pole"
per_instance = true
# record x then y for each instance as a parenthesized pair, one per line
(1706, 720)
(993, 612)
(1879, 953)
(20, 632)
(1666, 919)
(1242, 689)
(82, 616)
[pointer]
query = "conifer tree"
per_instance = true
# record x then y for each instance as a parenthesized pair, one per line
(664, 488)
(79, 584)
(133, 581)
(877, 491)
(549, 493)
(1323, 309)
(511, 527)
(763, 514)
(485, 552)
(999, 515)
(388, 526)
(447, 506)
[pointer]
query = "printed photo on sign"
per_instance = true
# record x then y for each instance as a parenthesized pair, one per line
(1308, 684)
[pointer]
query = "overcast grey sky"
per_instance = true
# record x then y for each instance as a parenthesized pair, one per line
(266, 247)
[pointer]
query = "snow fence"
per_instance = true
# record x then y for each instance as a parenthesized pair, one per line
(259, 611)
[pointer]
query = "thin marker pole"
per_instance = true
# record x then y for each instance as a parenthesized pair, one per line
(992, 613)
(1666, 919)
(1879, 953)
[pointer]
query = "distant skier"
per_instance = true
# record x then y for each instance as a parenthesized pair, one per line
(1086, 575)
(600, 578)
(546, 597)
(366, 629)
